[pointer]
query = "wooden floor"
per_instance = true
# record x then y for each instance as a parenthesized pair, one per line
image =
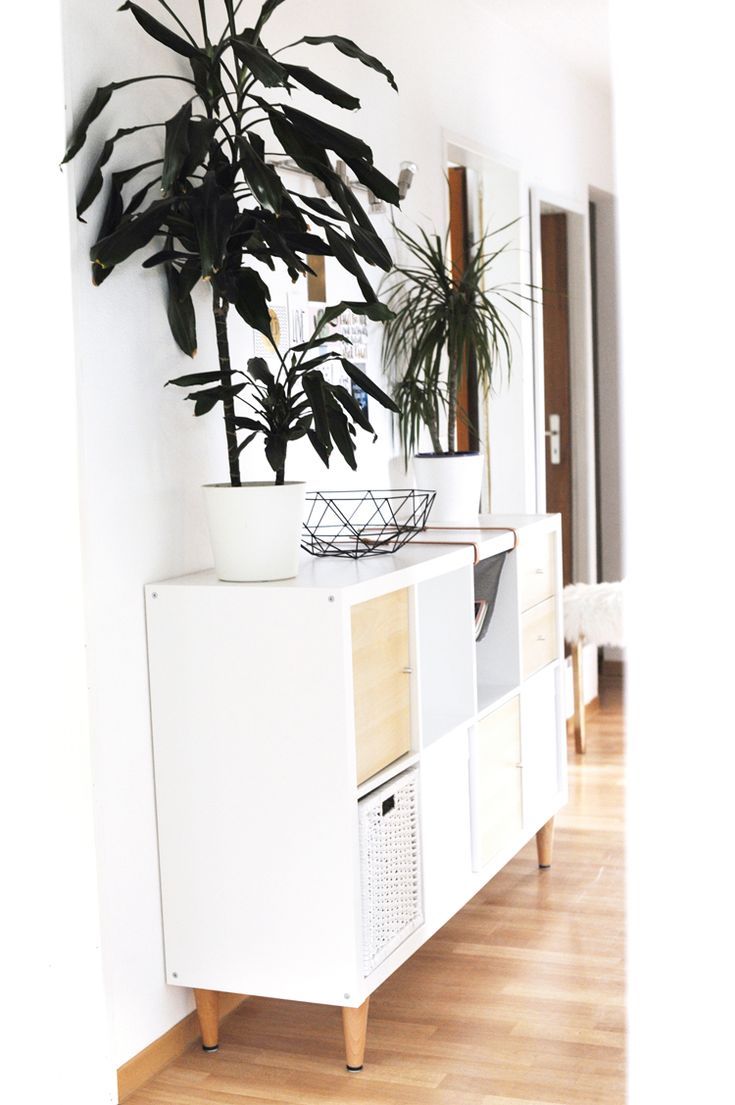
(518, 1000)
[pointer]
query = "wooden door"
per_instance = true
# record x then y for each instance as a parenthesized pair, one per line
(557, 379)
(382, 687)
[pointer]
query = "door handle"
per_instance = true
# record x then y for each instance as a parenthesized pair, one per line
(554, 435)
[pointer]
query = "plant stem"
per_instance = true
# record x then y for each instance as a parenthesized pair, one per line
(452, 383)
(280, 477)
(220, 307)
(433, 428)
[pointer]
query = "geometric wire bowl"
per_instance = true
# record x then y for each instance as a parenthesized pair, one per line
(363, 523)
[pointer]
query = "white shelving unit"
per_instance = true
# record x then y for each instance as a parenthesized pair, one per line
(271, 701)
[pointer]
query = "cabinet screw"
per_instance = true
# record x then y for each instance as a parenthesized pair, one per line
(347, 996)
(331, 598)
(154, 594)
(174, 975)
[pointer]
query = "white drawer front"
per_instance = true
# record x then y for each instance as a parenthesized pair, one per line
(537, 569)
(538, 636)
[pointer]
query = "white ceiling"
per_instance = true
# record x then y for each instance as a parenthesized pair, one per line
(575, 30)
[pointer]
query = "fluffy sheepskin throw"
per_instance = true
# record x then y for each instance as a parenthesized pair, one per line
(594, 611)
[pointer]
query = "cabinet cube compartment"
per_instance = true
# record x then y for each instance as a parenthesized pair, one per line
(390, 867)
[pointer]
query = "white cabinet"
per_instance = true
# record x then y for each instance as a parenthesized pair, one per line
(280, 709)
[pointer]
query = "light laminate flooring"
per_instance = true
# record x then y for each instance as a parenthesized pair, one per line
(518, 1000)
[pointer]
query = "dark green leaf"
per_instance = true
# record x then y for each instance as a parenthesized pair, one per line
(317, 84)
(204, 401)
(213, 211)
(244, 444)
(320, 448)
(176, 147)
(373, 179)
(261, 64)
(96, 105)
(352, 50)
(263, 179)
(162, 256)
(313, 385)
(131, 235)
(372, 249)
(200, 134)
(367, 385)
(95, 180)
(331, 138)
(352, 407)
(344, 251)
(320, 205)
(207, 76)
(160, 32)
(275, 451)
(258, 369)
(181, 314)
(265, 13)
(242, 423)
(189, 276)
(340, 431)
(377, 312)
(314, 343)
(195, 379)
(251, 297)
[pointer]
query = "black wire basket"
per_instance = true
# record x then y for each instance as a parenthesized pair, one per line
(363, 523)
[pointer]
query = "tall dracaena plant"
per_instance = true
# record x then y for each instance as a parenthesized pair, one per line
(222, 206)
(440, 320)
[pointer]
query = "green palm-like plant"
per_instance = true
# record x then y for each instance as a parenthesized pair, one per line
(223, 206)
(440, 321)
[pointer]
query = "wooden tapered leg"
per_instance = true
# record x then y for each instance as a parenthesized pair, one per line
(208, 1013)
(354, 1023)
(545, 843)
(580, 726)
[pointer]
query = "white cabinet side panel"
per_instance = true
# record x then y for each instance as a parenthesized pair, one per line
(255, 768)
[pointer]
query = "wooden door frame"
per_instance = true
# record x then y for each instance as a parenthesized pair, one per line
(584, 492)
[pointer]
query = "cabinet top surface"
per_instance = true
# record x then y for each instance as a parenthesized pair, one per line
(434, 551)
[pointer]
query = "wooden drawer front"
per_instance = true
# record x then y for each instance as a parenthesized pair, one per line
(498, 815)
(538, 636)
(537, 570)
(380, 657)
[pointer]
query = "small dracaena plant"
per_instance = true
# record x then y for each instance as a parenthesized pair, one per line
(223, 206)
(442, 318)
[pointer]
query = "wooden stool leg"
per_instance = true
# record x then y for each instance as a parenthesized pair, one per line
(208, 1013)
(580, 724)
(545, 843)
(354, 1023)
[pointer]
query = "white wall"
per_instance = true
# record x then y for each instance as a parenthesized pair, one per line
(677, 290)
(53, 1023)
(144, 456)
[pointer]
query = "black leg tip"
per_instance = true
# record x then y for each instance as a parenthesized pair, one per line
(544, 866)
(215, 1047)
(354, 1070)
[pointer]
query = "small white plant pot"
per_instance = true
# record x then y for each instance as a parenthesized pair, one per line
(255, 530)
(457, 480)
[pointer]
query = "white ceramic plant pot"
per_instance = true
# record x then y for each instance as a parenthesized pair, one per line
(457, 480)
(255, 530)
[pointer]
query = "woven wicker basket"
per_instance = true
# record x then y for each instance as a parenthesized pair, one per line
(390, 863)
